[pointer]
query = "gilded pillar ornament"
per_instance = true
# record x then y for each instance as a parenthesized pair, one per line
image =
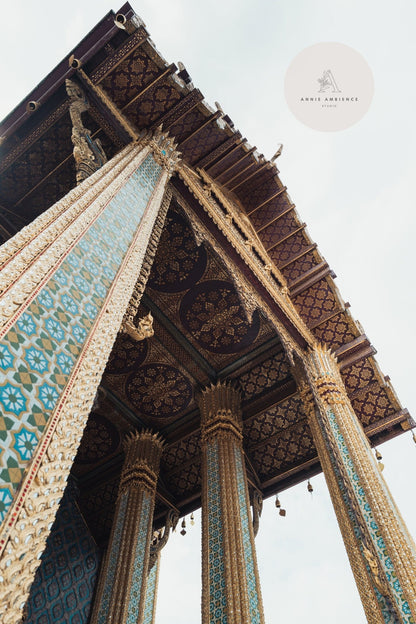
(122, 590)
(67, 280)
(230, 581)
(381, 552)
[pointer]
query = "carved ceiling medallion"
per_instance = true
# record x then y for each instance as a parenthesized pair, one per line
(159, 390)
(214, 316)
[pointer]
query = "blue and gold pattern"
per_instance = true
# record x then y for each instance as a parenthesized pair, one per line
(384, 607)
(39, 352)
(64, 583)
(370, 522)
(217, 593)
(139, 560)
(252, 590)
(113, 559)
(150, 600)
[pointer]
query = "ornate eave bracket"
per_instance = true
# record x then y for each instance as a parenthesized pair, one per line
(88, 152)
(257, 507)
(141, 331)
(160, 540)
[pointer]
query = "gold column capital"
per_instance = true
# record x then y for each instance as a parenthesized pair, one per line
(321, 368)
(220, 407)
(141, 465)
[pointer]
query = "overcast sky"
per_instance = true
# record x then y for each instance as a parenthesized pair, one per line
(355, 190)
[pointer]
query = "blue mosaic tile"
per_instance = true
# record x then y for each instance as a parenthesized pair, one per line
(217, 593)
(252, 588)
(139, 561)
(385, 608)
(150, 600)
(371, 524)
(39, 352)
(64, 582)
(113, 558)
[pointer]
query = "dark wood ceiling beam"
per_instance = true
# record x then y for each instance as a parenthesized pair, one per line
(328, 317)
(385, 423)
(269, 199)
(279, 216)
(266, 164)
(131, 416)
(249, 357)
(164, 496)
(48, 175)
(209, 120)
(290, 477)
(354, 351)
(278, 435)
(33, 136)
(285, 390)
(253, 471)
(5, 211)
(237, 162)
(298, 256)
(179, 337)
(285, 238)
(239, 173)
(113, 115)
(120, 54)
(223, 149)
(182, 108)
(167, 72)
(311, 277)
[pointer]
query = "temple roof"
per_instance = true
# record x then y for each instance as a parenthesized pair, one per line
(132, 88)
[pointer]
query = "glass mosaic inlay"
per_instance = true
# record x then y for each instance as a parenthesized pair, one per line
(150, 600)
(217, 595)
(113, 558)
(370, 522)
(139, 560)
(247, 546)
(38, 353)
(64, 583)
(385, 609)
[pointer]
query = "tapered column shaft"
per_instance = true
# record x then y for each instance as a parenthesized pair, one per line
(121, 594)
(149, 616)
(381, 552)
(230, 582)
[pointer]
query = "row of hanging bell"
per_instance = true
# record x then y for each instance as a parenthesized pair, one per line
(183, 524)
(282, 512)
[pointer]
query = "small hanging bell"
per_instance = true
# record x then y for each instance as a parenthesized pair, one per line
(282, 512)
(310, 487)
(192, 519)
(183, 525)
(379, 456)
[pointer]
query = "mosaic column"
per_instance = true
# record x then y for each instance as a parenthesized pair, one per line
(381, 552)
(149, 615)
(230, 581)
(66, 282)
(121, 594)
